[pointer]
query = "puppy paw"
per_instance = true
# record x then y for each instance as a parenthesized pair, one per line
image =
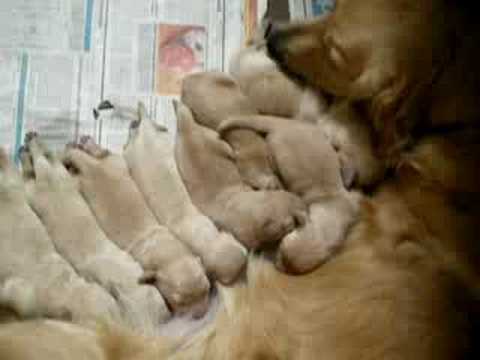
(324, 232)
(88, 144)
(303, 250)
(257, 176)
(44, 172)
(229, 258)
(183, 284)
(274, 214)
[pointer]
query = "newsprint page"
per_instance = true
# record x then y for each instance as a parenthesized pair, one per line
(60, 59)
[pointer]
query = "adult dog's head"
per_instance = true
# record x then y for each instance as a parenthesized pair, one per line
(396, 56)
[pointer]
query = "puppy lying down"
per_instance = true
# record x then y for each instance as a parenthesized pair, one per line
(272, 93)
(310, 168)
(121, 211)
(212, 96)
(149, 155)
(34, 279)
(53, 194)
(207, 166)
(268, 89)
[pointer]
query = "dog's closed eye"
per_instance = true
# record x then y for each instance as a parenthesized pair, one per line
(335, 53)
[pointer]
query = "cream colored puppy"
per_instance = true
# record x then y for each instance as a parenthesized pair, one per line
(122, 212)
(274, 94)
(150, 158)
(310, 168)
(207, 165)
(34, 279)
(53, 194)
(213, 96)
(259, 78)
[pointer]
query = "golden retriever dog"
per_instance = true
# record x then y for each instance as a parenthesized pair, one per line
(150, 157)
(207, 166)
(123, 214)
(404, 70)
(35, 281)
(405, 285)
(311, 169)
(55, 197)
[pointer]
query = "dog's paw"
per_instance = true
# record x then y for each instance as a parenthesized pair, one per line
(43, 171)
(183, 284)
(298, 253)
(257, 173)
(229, 258)
(273, 215)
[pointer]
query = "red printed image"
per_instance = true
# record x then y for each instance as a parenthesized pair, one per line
(181, 51)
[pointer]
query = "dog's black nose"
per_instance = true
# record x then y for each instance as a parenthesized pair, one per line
(273, 37)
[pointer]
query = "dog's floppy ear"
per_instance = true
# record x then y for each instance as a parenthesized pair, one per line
(388, 112)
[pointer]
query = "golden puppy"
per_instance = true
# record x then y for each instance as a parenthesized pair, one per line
(121, 211)
(268, 89)
(310, 168)
(274, 94)
(213, 96)
(53, 194)
(34, 279)
(150, 158)
(206, 163)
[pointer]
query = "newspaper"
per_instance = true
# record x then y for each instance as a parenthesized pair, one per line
(59, 59)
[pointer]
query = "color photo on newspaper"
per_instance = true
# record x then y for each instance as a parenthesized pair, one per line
(322, 7)
(180, 51)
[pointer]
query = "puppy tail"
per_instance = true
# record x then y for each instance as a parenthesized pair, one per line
(261, 124)
(185, 120)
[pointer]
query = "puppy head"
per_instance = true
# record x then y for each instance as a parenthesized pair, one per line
(213, 96)
(382, 51)
(261, 218)
(183, 284)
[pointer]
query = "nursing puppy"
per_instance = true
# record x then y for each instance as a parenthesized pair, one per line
(149, 155)
(273, 93)
(119, 207)
(213, 96)
(53, 194)
(267, 88)
(207, 165)
(35, 281)
(310, 168)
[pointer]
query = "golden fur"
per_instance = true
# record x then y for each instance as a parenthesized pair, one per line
(405, 285)
(409, 61)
